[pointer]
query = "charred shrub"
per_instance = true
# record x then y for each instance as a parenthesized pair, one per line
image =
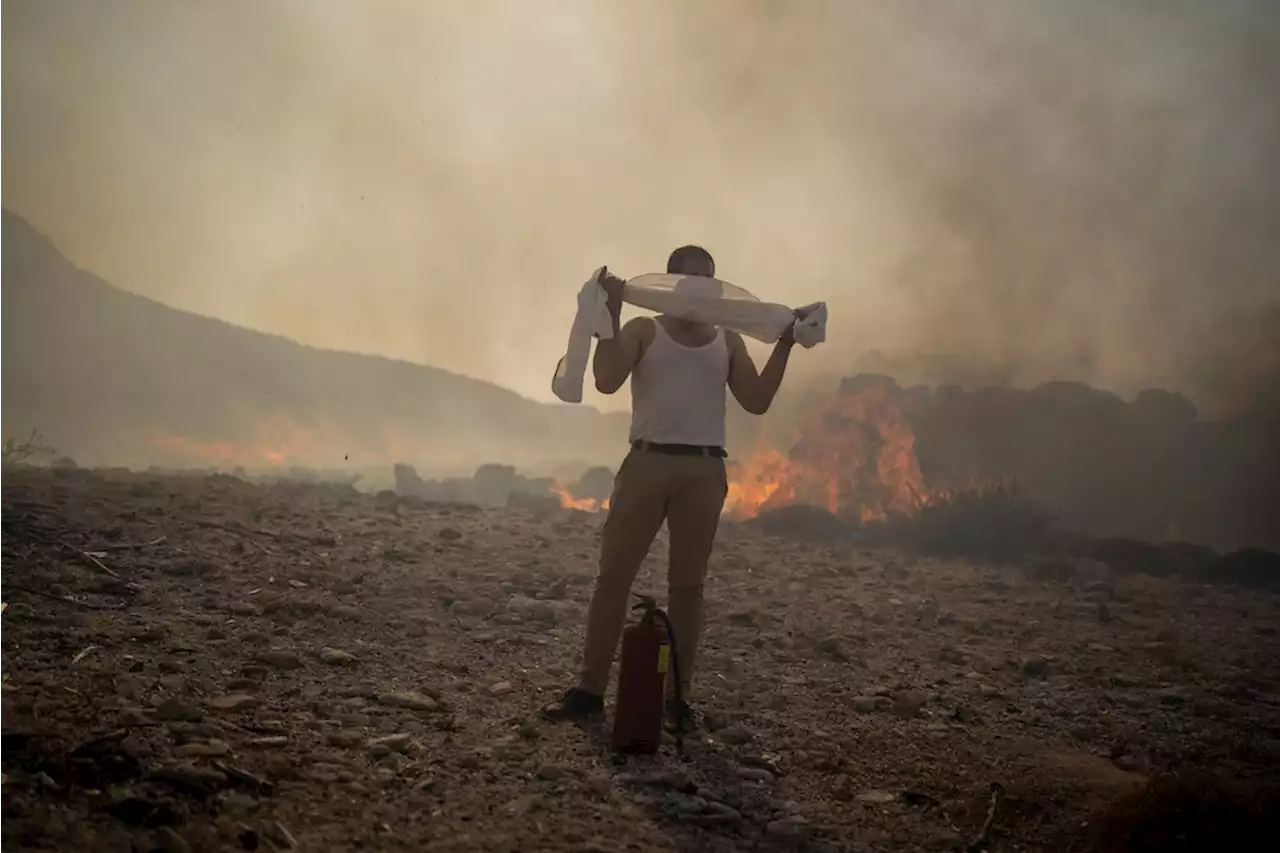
(29, 451)
(994, 522)
(1178, 813)
(1251, 567)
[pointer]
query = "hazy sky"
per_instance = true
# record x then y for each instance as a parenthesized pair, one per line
(1080, 189)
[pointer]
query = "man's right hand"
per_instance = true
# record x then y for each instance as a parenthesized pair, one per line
(613, 287)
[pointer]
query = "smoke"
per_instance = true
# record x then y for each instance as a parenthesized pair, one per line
(1030, 188)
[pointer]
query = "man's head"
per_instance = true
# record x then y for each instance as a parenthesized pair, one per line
(691, 260)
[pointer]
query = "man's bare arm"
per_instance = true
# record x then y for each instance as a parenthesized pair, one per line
(615, 358)
(755, 391)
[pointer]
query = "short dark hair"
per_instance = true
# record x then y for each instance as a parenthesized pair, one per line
(675, 263)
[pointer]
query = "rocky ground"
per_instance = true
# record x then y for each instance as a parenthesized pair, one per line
(207, 664)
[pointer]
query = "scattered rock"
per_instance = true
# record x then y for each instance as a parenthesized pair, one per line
(338, 657)
(833, 649)
(909, 703)
(865, 704)
(735, 735)
(233, 702)
(346, 738)
(755, 774)
(409, 700)
(551, 772)
(500, 688)
(398, 742)
(174, 709)
(169, 841)
(1035, 667)
(275, 831)
(280, 659)
(203, 749)
(190, 778)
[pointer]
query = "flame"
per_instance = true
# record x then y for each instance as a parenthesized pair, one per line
(568, 501)
(855, 458)
(762, 478)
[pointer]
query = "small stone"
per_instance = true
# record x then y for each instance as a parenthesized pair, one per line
(877, 797)
(735, 735)
(755, 774)
(550, 772)
(833, 648)
(395, 743)
(722, 813)
(169, 841)
(500, 688)
(1035, 667)
(337, 657)
(865, 704)
(449, 534)
(280, 659)
(409, 700)
(190, 778)
(203, 749)
(909, 703)
(270, 741)
(524, 804)
(174, 709)
(987, 691)
(275, 831)
(1173, 695)
(233, 702)
(345, 738)
(242, 608)
(786, 830)
(1100, 647)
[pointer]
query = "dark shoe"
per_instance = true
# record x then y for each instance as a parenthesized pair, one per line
(682, 714)
(577, 704)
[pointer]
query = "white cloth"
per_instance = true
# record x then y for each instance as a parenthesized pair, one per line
(706, 300)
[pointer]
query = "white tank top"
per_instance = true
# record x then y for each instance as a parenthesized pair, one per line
(678, 392)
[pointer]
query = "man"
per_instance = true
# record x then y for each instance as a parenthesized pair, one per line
(675, 471)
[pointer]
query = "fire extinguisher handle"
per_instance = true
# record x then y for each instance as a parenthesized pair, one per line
(644, 602)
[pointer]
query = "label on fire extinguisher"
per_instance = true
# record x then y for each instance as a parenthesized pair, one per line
(664, 658)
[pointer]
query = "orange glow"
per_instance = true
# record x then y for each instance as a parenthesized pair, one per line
(855, 457)
(568, 501)
(277, 441)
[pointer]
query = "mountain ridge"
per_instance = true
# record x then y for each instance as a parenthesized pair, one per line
(101, 371)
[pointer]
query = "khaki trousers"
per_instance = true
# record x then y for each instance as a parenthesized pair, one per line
(689, 493)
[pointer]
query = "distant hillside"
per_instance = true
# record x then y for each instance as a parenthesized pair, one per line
(108, 376)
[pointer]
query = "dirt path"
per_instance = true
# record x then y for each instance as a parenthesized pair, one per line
(235, 667)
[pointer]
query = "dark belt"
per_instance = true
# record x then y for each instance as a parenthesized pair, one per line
(680, 449)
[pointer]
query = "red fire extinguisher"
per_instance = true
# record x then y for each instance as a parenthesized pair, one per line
(648, 651)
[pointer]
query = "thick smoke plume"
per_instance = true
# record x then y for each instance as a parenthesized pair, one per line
(1028, 189)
